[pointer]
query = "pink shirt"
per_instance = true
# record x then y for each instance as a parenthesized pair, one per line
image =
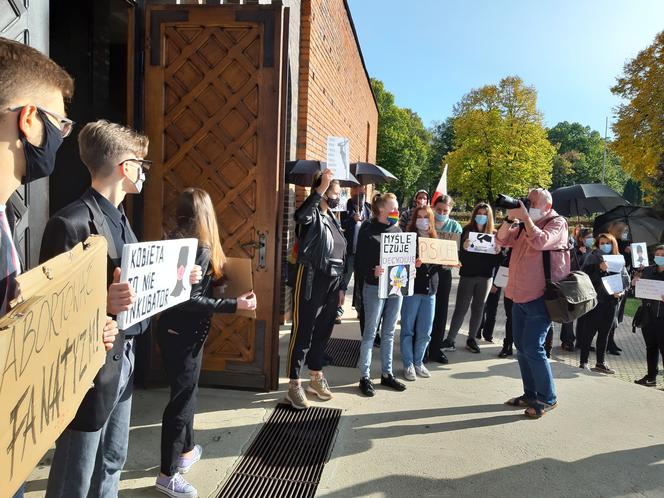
(526, 280)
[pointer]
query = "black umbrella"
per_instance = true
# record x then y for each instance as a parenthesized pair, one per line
(368, 173)
(643, 222)
(585, 199)
(301, 172)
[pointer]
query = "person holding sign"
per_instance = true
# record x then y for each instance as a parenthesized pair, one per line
(476, 275)
(319, 288)
(367, 264)
(417, 310)
(181, 335)
(449, 229)
(600, 319)
(652, 319)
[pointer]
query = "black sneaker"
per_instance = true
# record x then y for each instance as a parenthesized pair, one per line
(567, 347)
(447, 345)
(367, 388)
(603, 368)
(391, 382)
(505, 352)
(440, 357)
(646, 381)
(614, 352)
(472, 346)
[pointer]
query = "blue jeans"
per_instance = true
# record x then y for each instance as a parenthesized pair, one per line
(88, 464)
(416, 320)
(374, 308)
(530, 323)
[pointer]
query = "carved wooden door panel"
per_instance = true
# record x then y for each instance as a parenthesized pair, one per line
(214, 104)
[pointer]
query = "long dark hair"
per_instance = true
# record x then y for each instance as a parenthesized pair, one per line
(472, 224)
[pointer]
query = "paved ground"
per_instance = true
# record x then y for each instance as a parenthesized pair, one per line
(449, 435)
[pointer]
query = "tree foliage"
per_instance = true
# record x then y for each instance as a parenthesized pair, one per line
(580, 158)
(403, 143)
(442, 143)
(639, 129)
(500, 143)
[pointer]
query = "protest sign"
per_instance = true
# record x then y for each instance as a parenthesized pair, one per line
(456, 237)
(343, 201)
(159, 274)
(615, 262)
(502, 276)
(397, 257)
(438, 251)
(338, 157)
(51, 349)
(639, 254)
(649, 289)
(237, 280)
(484, 243)
(613, 283)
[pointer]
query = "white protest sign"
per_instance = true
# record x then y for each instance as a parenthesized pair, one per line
(501, 277)
(639, 254)
(438, 251)
(397, 257)
(615, 262)
(338, 157)
(649, 289)
(613, 283)
(159, 274)
(484, 243)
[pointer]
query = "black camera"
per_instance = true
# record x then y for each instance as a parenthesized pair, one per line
(507, 202)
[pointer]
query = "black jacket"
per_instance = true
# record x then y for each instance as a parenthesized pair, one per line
(591, 267)
(367, 256)
(475, 264)
(655, 309)
(193, 317)
(348, 223)
(70, 226)
(315, 239)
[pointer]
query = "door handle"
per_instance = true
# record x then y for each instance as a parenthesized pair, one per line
(261, 245)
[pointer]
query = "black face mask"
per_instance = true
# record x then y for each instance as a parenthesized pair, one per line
(333, 203)
(40, 161)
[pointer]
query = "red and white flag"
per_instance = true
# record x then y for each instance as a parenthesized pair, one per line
(441, 188)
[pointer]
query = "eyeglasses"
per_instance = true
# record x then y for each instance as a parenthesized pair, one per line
(66, 125)
(144, 164)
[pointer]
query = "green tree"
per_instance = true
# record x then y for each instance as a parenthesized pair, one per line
(639, 129)
(403, 143)
(442, 143)
(500, 143)
(580, 157)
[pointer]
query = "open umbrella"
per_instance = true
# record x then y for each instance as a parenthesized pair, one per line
(301, 172)
(368, 173)
(643, 222)
(585, 199)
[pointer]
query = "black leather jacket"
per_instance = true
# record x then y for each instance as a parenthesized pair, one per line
(315, 235)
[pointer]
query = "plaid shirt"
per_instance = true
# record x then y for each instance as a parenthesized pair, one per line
(9, 263)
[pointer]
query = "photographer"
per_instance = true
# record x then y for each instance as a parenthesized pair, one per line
(539, 228)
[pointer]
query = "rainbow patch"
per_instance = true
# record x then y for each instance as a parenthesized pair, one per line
(393, 217)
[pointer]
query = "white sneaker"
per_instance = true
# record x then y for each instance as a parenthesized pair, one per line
(584, 366)
(422, 371)
(175, 487)
(409, 373)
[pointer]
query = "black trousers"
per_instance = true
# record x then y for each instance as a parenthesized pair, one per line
(567, 333)
(440, 315)
(508, 341)
(313, 319)
(182, 356)
(654, 337)
(489, 315)
(597, 321)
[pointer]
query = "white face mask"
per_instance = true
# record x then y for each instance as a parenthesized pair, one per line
(138, 184)
(422, 224)
(535, 214)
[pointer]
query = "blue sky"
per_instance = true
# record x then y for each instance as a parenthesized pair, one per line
(429, 53)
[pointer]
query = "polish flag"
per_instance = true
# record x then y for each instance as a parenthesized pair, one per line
(441, 188)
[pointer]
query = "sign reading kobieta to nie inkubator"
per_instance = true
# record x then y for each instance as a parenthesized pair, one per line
(159, 274)
(51, 349)
(397, 257)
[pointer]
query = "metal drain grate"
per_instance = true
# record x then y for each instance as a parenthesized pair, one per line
(288, 455)
(344, 352)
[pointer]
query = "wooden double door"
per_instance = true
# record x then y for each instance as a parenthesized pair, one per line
(214, 113)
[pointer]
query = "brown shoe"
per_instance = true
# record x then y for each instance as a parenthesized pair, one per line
(296, 397)
(318, 386)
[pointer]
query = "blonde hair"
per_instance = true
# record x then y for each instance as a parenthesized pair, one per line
(610, 238)
(196, 218)
(101, 142)
(379, 201)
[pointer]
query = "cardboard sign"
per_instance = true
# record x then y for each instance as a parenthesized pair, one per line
(237, 280)
(615, 262)
(51, 348)
(159, 274)
(338, 157)
(502, 276)
(613, 283)
(397, 257)
(484, 243)
(649, 289)
(438, 252)
(456, 237)
(639, 254)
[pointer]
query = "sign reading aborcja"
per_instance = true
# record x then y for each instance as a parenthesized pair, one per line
(51, 348)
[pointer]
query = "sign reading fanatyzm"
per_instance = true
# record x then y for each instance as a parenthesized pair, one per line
(159, 274)
(51, 348)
